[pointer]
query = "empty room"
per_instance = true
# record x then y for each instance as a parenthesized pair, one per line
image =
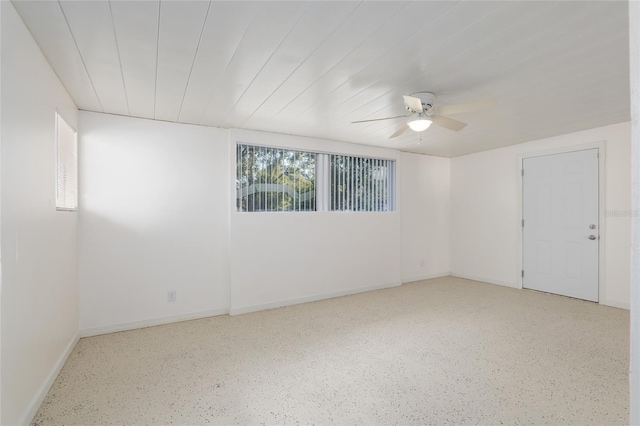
(319, 212)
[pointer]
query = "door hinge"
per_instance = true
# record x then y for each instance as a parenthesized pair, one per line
(523, 223)
(598, 155)
(523, 273)
(522, 172)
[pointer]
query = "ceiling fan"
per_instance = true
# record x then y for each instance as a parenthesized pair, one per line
(423, 112)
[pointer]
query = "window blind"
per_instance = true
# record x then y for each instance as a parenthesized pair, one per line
(275, 179)
(362, 184)
(66, 166)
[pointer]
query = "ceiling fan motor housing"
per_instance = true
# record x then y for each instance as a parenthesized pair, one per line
(426, 98)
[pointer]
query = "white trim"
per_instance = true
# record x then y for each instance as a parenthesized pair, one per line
(634, 62)
(424, 277)
(614, 304)
(308, 143)
(96, 331)
(485, 280)
(601, 146)
(305, 299)
(46, 386)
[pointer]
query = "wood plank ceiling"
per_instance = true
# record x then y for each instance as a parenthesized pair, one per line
(312, 67)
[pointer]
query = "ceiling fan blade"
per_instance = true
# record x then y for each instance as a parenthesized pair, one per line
(380, 119)
(414, 104)
(448, 123)
(400, 131)
(467, 106)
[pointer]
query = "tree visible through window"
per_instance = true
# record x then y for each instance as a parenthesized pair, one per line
(275, 179)
(361, 184)
(272, 179)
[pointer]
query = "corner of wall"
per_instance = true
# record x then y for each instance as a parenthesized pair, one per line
(39, 316)
(51, 378)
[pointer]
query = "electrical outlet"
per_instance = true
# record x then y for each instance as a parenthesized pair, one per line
(423, 263)
(171, 296)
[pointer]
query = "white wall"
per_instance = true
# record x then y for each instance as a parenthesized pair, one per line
(485, 212)
(424, 194)
(1, 125)
(39, 248)
(283, 258)
(634, 55)
(158, 213)
(154, 218)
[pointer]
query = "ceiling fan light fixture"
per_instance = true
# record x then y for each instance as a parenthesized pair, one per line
(420, 124)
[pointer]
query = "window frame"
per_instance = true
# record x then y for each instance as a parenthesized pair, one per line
(322, 179)
(58, 163)
(270, 148)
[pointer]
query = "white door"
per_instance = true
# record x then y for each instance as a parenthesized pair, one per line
(560, 224)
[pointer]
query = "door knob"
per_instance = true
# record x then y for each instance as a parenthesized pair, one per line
(592, 237)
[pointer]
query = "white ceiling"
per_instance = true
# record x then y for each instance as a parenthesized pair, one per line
(310, 68)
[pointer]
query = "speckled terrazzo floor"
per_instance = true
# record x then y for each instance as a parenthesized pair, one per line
(443, 351)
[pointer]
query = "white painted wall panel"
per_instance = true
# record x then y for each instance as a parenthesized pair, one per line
(485, 212)
(634, 54)
(282, 258)
(424, 195)
(39, 264)
(154, 218)
(158, 214)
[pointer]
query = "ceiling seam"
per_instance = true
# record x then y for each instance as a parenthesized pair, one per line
(419, 75)
(235, 51)
(115, 37)
(439, 43)
(385, 126)
(277, 48)
(331, 68)
(195, 55)
(382, 55)
(340, 24)
(81, 58)
(423, 73)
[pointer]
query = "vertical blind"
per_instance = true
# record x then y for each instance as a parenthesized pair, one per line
(66, 166)
(361, 184)
(276, 179)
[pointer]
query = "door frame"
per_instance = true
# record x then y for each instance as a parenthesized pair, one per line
(601, 146)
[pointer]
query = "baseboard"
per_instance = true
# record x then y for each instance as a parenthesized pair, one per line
(306, 299)
(484, 280)
(615, 304)
(44, 389)
(96, 331)
(612, 303)
(424, 277)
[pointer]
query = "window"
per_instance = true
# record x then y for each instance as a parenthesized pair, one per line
(66, 166)
(361, 184)
(275, 179)
(272, 179)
